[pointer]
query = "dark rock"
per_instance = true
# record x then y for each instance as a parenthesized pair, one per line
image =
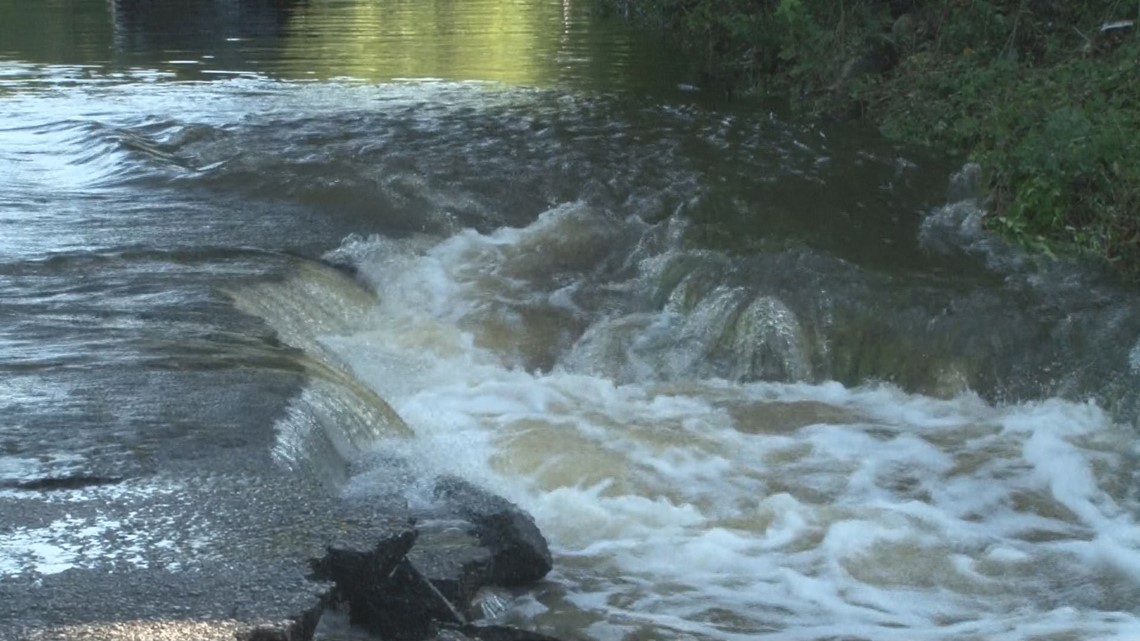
(519, 552)
(406, 607)
(403, 587)
(453, 559)
(353, 564)
(365, 574)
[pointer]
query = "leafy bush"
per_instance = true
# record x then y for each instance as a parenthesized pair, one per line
(1060, 151)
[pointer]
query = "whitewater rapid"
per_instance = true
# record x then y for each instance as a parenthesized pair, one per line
(561, 366)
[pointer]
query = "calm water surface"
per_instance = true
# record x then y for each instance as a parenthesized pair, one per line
(755, 377)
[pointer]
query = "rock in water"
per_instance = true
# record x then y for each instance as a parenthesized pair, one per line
(364, 571)
(453, 559)
(406, 607)
(519, 552)
(410, 584)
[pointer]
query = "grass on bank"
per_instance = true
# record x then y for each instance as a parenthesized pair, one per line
(1033, 90)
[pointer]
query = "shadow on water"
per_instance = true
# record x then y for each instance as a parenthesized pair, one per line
(133, 31)
(141, 25)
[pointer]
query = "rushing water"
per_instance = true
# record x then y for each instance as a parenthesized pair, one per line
(755, 378)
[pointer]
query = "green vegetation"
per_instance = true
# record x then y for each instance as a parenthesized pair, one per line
(1035, 90)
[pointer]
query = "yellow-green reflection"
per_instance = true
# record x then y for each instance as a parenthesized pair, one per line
(549, 43)
(512, 41)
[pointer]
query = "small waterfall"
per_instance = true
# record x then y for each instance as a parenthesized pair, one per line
(768, 343)
(727, 333)
(335, 417)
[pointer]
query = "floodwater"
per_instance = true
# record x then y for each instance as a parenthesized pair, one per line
(755, 377)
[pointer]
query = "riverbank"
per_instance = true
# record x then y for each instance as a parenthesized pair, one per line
(1042, 94)
(255, 553)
